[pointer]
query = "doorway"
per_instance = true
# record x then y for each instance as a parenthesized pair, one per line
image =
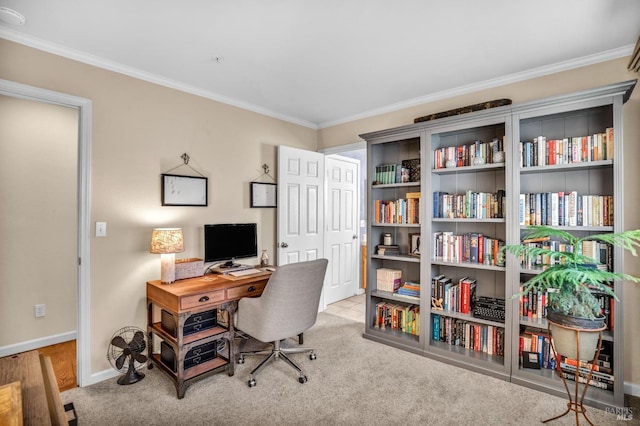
(47, 238)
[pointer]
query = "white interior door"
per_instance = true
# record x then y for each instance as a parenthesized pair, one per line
(341, 237)
(300, 234)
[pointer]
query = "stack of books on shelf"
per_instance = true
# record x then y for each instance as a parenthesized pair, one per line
(394, 316)
(471, 247)
(400, 211)
(602, 376)
(410, 289)
(548, 152)
(454, 297)
(464, 155)
(391, 173)
(483, 338)
(477, 205)
(565, 209)
(388, 279)
(388, 250)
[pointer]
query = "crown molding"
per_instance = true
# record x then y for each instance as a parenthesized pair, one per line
(99, 62)
(86, 58)
(488, 84)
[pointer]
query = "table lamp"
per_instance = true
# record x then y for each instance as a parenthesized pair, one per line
(166, 242)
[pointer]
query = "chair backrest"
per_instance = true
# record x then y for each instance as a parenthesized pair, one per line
(290, 300)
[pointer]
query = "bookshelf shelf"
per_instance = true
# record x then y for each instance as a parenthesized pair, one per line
(579, 116)
(567, 167)
(468, 169)
(396, 185)
(395, 296)
(397, 225)
(469, 265)
(400, 258)
(469, 220)
(467, 317)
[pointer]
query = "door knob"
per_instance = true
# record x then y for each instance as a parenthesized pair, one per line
(284, 245)
(355, 237)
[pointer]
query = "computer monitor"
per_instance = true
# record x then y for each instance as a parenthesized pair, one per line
(226, 242)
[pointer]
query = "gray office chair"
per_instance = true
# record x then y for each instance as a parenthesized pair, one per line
(287, 307)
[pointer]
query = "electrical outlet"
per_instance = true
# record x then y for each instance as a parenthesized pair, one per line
(39, 310)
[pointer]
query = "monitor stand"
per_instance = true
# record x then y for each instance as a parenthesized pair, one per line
(229, 266)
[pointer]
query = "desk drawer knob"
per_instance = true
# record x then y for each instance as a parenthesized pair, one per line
(252, 288)
(204, 299)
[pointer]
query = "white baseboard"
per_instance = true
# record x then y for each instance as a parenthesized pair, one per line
(632, 389)
(30, 345)
(102, 376)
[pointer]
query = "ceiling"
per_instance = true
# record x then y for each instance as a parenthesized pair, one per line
(321, 63)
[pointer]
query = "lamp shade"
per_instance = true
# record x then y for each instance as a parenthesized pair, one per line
(167, 240)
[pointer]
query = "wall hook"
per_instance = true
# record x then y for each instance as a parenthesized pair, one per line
(185, 157)
(265, 167)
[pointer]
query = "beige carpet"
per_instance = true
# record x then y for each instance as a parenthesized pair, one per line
(352, 382)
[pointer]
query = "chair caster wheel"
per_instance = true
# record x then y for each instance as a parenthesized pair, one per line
(241, 360)
(251, 382)
(302, 379)
(312, 356)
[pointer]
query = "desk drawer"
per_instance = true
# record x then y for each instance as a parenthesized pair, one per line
(201, 299)
(252, 289)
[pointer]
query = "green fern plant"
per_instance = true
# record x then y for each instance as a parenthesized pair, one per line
(571, 278)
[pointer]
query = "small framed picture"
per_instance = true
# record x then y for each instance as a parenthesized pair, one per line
(180, 190)
(531, 360)
(263, 194)
(414, 244)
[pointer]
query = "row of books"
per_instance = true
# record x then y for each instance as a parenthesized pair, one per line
(536, 341)
(455, 297)
(533, 306)
(464, 155)
(600, 252)
(400, 211)
(476, 337)
(397, 316)
(565, 209)
(580, 149)
(471, 247)
(477, 205)
(391, 173)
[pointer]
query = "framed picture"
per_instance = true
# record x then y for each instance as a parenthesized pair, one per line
(531, 360)
(180, 190)
(263, 194)
(414, 244)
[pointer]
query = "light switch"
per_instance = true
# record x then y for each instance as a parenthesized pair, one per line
(101, 229)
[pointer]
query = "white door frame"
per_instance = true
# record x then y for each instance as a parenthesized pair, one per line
(84, 107)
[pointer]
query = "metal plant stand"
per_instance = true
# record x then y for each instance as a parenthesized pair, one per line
(574, 404)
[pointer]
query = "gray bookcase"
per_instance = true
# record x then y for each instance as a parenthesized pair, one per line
(561, 117)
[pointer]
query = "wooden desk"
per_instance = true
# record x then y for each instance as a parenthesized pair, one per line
(41, 402)
(180, 302)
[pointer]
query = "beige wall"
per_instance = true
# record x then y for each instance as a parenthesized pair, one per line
(38, 219)
(140, 130)
(565, 82)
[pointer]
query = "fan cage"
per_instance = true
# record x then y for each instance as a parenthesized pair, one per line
(114, 352)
